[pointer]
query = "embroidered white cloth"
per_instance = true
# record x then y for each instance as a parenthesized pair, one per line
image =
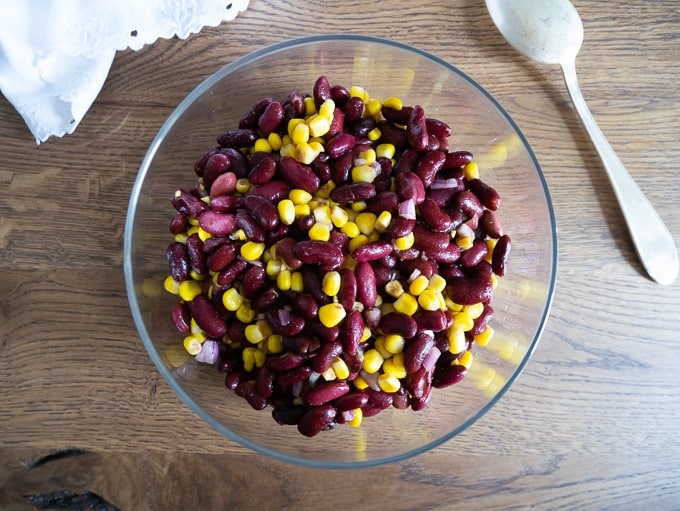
(56, 54)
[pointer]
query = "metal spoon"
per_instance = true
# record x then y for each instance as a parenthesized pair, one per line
(551, 32)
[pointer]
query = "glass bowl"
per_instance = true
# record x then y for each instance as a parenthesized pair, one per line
(383, 68)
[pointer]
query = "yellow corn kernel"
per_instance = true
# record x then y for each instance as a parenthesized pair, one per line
(358, 206)
(364, 174)
(418, 285)
(275, 141)
(284, 280)
(251, 250)
(494, 281)
(286, 210)
(474, 310)
(331, 314)
(366, 157)
(394, 367)
(351, 229)
(394, 343)
(257, 332)
(248, 357)
(299, 196)
(192, 344)
(359, 383)
(339, 217)
(192, 221)
(366, 335)
(319, 125)
(319, 232)
(394, 288)
(181, 237)
(491, 243)
(296, 282)
(437, 283)
(192, 230)
(366, 222)
(464, 242)
(243, 185)
(287, 151)
(232, 299)
(238, 235)
(383, 221)
(374, 134)
(306, 153)
(373, 106)
(273, 267)
(465, 359)
(471, 171)
(394, 103)
(300, 134)
(463, 321)
(260, 357)
(275, 343)
(189, 289)
(404, 242)
(292, 124)
(202, 234)
(197, 276)
(327, 108)
(385, 151)
(310, 106)
(322, 213)
(406, 304)
(171, 285)
(483, 338)
(302, 210)
(453, 306)
(357, 418)
(373, 361)
(262, 145)
(457, 340)
(325, 191)
(429, 300)
(245, 313)
(193, 326)
(340, 368)
(357, 91)
(331, 283)
(388, 383)
(357, 241)
(329, 374)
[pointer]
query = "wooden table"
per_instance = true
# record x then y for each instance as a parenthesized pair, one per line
(592, 423)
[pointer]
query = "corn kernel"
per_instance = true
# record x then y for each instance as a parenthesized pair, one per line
(238, 235)
(286, 210)
(404, 242)
(275, 343)
(287, 151)
(296, 282)
(457, 340)
(364, 174)
(329, 374)
(340, 368)
(260, 357)
(245, 314)
(358, 206)
(357, 241)
(327, 108)
(394, 343)
(483, 338)
(394, 288)
(325, 191)
(181, 237)
(471, 171)
(359, 383)
(366, 335)
(474, 310)
(192, 344)
(366, 222)
(357, 418)
(358, 92)
(319, 125)
(366, 157)
(464, 242)
(262, 145)
(302, 210)
(373, 106)
(339, 217)
(310, 106)
(385, 151)
(394, 103)
(350, 229)
(256, 332)
(299, 196)
(306, 153)
(494, 281)
(275, 141)
(388, 383)
(383, 221)
(273, 267)
(189, 289)
(429, 300)
(465, 359)
(406, 304)
(390, 367)
(292, 124)
(463, 321)
(232, 299)
(242, 185)
(251, 251)
(319, 232)
(203, 235)
(437, 283)
(373, 361)
(192, 230)
(453, 306)
(331, 314)
(284, 280)
(491, 244)
(171, 285)
(374, 134)
(331, 283)
(418, 285)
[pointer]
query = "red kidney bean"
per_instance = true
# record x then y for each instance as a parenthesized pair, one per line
(178, 224)
(237, 138)
(450, 254)
(340, 144)
(264, 382)
(221, 257)
(311, 281)
(319, 252)
(353, 109)
(351, 401)
(225, 203)
(473, 255)
(468, 291)
(352, 331)
(295, 375)
(457, 159)
(347, 293)
(410, 186)
(284, 250)
(217, 224)
(363, 126)
(443, 197)
(337, 123)
(301, 344)
(228, 276)
(372, 251)
(500, 256)
(271, 118)
(482, 320)
(288, 415)
(298, 175)
(233, 378)
(325, 392)
(341, 168)
(321, 168)
(305, 305)
(383, 201)
(400, 226)
(317, 419)
(223, 185)
(416, 129)
(249, 120)
(398, 323)
(295, 102)
(252, 281)
(321, 90)
(491, 224)
(340, 240)
(238, 162)
(262, 172)
(487, 194)
(367, 292)
(418, 404)
(251, 228)
(418, 383)
(199, 165)
(430, 241)
(378, 399)
(188, 204)
(426, 267)
(434, 217)
(263, 210)
(448, 375)
(178, 261)
(436, 321)
(285, 362)
(439, 129)
(417, 350)
(397, 116)
(278, 233)
(207, 317)
(429, 165)
(273, 191)
(352, 193)
(181, 317)
(340, 94)
(468, 203)
(216, 165)
(284, 322)
(255, 400)
(383, 274)
(401, 399)
(391, 134)
(326, 334)
(196, 255)
(265, 299)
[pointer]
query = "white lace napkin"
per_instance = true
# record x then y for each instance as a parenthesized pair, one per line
(56, 54)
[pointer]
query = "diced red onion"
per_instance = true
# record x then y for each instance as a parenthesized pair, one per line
(407, 209)
(443, 184)
(209, 353)
(431, 359)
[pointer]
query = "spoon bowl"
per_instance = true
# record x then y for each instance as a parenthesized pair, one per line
(551, 32)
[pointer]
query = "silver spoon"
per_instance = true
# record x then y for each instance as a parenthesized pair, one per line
(551, 32)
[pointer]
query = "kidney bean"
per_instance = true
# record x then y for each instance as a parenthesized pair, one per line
(317, 329)
(263, 210)
(416, 129)
(436, 321)
(273, 191)
(271, 118)
(348, 288)
(340, 94)
(398, 323)
(429, 165)
(264, 382)
(298, 175)
(367, 292)
(326, 392)
(439, 129)
(223, 185)
(487, 194)
(468, 203)
(482, 270)
(181, 317)
(430, 241)
(317, 419)
(321, 168)
(351, 401)
(237, 138)
(311, 281)
(417, 350)
(491, 224)
(391, 134)
(401, 399)
(234, 378)
(225, 203)
(321, 90)
(434, 217)
(249, 120)
(418, 383)
(337, 123)
(178, 224)
(473, 255)
(445, 376)
(251, 228)
(400, 226)
(450, 254)
(254, 277)
(378, 399)
(228, 275)
(265, 299)
(284, 322)
(288, 415)
(196, 256)
(301, 344)
(217, 224)
(340, 240)
(285, 362)
(457, 159)
(238, 163)
(482, 320)
(397, 116)
(426, 267)
(284, 250)
(500, 256)
(341, 168)
(383, 201)
(295, 101)
(305, 305)
(410, 186)
(188, 204)
(468, 291)
(352, 192)
(205, 315)
(216, 165)
(199, 165)
(319, 252)
(278, 233)
(352, 331)
(383, 274)
(246, 390)
(340, 144)
(372, 251)
(262, 172)
(178, 261)
(363, 126)
(419, 403)
(353, 109)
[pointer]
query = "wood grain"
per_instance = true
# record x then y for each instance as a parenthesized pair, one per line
(592, 423)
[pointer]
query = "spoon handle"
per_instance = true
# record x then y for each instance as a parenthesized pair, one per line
(653, 242)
